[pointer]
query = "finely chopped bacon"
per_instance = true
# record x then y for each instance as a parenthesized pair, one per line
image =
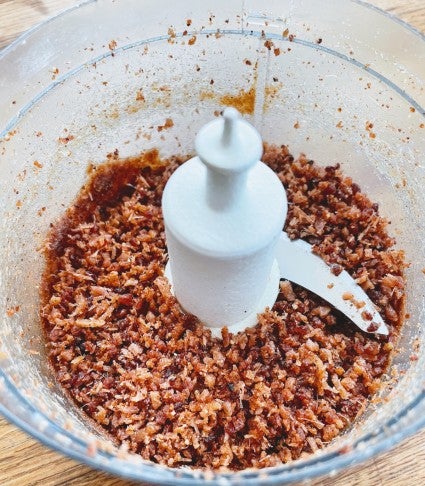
(156, 380)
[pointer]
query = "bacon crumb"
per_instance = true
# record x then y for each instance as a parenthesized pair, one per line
(65, 140)
(11, 311)
(139, 95)
(373, 327)
(168, 124)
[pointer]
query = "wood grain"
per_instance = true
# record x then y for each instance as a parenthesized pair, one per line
(25, 462)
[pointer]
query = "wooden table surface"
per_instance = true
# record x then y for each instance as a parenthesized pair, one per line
(25, 462)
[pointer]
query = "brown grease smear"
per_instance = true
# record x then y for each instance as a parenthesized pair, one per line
(271, 94)
(105, 186)
(244, 101)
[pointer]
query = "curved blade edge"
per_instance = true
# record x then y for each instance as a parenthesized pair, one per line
(300, 265)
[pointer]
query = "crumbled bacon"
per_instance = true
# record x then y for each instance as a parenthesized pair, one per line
(155, 379)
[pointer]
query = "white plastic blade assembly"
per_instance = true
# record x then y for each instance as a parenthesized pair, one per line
(223, 214)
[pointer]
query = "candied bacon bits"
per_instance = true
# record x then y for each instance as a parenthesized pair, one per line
(156, 381)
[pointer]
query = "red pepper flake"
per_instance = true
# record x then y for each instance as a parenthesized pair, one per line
(112, 45)
(412, 109)
(192, 40)
(276, 51)
(189, 22)
(366, 315)
(291, 37)
(37, 164)
(285, 33)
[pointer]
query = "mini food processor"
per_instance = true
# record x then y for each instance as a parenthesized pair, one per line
(133, 76)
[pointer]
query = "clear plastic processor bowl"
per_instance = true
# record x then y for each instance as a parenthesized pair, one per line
(335, 79)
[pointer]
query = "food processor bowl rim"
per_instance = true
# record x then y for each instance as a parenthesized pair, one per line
(43, 23)
(312, 468)
(10, 125)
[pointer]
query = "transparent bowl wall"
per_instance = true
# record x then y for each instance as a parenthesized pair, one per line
(63, 79)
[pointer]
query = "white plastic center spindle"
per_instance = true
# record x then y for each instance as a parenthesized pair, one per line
(224, 211)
